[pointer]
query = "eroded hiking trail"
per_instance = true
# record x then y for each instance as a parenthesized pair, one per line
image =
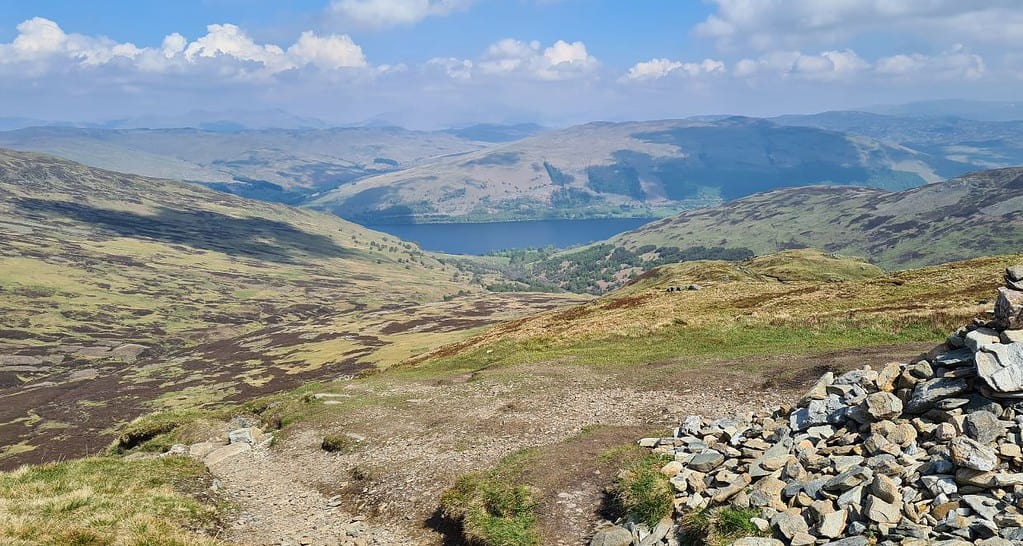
(412, 438)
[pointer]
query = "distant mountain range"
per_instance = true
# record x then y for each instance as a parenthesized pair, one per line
(493, 172)
(974, 215)
(631, 169)
(272, 165)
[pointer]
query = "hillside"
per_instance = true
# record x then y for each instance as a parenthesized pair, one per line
(632, 169)
(271, 165)
(973, 215)
(982, 144)
(542, 412)
(121, 295)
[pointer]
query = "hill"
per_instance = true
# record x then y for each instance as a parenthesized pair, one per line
(271, 164)
(973, 215)
(982, 144)
(631, 169)
(121, 295)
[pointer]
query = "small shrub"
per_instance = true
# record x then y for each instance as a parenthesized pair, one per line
(337, 443)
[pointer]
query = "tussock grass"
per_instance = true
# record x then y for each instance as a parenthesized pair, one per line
(494, 508)
(642, 493)
(107, 502)
(718, 526)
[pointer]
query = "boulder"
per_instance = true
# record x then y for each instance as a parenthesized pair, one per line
(756, 541)
(883, 512)
(982, 337)
(1009, 309)
(612, 536)
(706, 461)
(882, 405)
(789, 525)
(1001, 367)
(832, 525)
(983, 426)
(926, 394)
(969, 453)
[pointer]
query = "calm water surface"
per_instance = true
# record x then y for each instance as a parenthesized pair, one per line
(488, 237)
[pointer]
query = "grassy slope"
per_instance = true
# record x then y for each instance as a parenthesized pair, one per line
(674, 164)
(974, 215)
(104, 501)
(228, 298)
(797, 301)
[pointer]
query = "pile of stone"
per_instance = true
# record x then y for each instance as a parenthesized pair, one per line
(926, 452)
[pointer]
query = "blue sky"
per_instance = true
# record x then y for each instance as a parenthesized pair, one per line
(429, 63)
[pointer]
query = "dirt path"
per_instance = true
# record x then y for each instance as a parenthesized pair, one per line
(419, 435)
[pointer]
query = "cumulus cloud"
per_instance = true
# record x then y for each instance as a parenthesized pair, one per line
(655, 69)
(41, 46)
(770, 24)
(560, 61)
(386, 13)
(847, 64)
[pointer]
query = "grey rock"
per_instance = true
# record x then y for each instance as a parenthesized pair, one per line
(849, 479)
(969, 453)
(939, 484)
(985, 507)
(832, 525)
(927, 393)
(959, 357)
(854, 540)
(983, 426)
(691, 425)
(879, 511)
(707, 461)
(612, 536)
(882, 405)
(819, 390)
(981, 337)
(1014, 273)
(1009, 308)
(250, 435)
(1001, 367)
(789, 525)
(756, 541)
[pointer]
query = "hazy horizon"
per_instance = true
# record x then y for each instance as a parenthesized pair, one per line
(443, 63)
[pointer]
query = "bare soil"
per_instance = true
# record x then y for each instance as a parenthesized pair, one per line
(419, 435)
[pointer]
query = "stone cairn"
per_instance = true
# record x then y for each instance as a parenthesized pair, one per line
(916, 453)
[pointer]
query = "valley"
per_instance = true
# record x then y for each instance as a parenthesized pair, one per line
(280, 375)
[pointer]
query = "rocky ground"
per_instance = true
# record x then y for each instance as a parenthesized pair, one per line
(423, 434)
(910, 453)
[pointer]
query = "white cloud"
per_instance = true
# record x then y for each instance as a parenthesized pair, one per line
(955, 64)
(386, 13)
(41, 46)
(847, 64)
(655, 69)
(456, 69)
(329, 52)
(560, 61)
(770, 24)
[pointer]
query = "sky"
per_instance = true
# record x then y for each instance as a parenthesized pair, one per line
(438, 63)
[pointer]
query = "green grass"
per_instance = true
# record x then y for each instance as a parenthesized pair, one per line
(680, 342)
(493, 508)
(107, 502)
(642, 493)
(718, 526)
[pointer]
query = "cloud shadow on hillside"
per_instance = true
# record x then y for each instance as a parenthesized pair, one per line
(256, 238)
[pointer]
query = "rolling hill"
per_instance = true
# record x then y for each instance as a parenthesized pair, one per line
(121, 295)
(973, 215)
(632, 169)
(271, 165)
(982, 144)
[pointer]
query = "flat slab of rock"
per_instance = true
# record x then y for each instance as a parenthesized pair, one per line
(612, 536)
(1001, 367)
(222, 454)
